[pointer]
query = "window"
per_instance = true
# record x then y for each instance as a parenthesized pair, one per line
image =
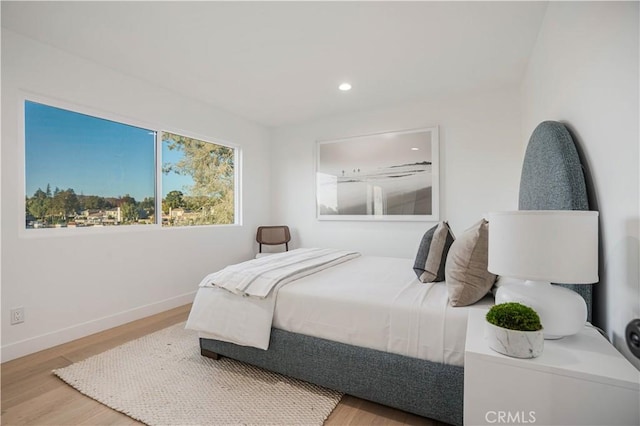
(84, 171)
(198, 182)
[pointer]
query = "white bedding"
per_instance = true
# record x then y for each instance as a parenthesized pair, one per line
(237, 303)
(378, 303)
(372, 302)
(258, 277)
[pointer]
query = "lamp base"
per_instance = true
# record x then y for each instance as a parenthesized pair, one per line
(562, 312)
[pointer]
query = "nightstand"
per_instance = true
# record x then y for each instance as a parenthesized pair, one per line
(578, 380)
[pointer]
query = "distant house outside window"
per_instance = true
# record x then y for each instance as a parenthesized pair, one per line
(198, 182)
(85, 171)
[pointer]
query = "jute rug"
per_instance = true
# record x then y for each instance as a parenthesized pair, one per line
(161, 379)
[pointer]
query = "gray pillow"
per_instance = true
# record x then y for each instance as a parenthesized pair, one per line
(468, 279)
(432, 253)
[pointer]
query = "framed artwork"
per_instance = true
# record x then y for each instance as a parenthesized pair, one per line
(387, 176)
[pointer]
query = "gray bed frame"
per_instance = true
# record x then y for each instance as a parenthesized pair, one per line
(552, 179)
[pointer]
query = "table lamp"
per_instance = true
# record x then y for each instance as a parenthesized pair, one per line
(541, 247)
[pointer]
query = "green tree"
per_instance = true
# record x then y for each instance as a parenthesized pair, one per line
(149, 206)
(93, 202)
(173, 200)
(129, 212)
(211, 168)
(148, 203)
(64, 203)
(38, 205)
(127, 199)
(196, 203)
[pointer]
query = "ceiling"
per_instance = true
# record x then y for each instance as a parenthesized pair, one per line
(280, 63)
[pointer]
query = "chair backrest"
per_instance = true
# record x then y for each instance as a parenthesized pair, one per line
(273, 235)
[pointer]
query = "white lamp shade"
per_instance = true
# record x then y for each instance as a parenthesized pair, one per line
(559, 246)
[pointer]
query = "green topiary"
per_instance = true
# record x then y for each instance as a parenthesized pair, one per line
(514, 316)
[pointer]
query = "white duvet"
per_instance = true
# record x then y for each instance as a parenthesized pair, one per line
(373, 302)
(237, 303)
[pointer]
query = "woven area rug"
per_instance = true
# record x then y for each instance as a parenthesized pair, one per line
(161, 379)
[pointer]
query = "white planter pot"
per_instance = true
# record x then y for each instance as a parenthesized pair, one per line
(515, 343)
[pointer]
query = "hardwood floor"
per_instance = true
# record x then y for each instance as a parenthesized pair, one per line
(32, 395)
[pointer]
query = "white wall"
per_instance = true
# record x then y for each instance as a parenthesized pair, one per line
(584, 72)
(480, 153)
(71, 286)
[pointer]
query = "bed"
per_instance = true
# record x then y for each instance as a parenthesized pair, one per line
(406, 368)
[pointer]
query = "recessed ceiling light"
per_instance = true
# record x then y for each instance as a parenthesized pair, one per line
(415, 149)
(344, 87)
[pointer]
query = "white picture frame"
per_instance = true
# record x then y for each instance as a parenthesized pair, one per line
(391, 176)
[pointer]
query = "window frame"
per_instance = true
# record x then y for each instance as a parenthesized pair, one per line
(24, 232)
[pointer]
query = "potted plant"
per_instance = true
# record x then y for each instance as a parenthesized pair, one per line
(514, 329)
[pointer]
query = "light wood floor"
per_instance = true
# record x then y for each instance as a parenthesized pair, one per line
(32, 395)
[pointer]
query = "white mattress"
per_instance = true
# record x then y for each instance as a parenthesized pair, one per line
(377, 303)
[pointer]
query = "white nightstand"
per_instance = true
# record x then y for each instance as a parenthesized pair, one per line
(578, 380)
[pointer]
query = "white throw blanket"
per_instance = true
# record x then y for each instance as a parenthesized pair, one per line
(258, 277)
(246, 321)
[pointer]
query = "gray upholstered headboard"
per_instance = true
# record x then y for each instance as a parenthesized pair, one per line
(553, 179)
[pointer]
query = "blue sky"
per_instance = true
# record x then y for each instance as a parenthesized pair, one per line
(91, 155)
(173, 181)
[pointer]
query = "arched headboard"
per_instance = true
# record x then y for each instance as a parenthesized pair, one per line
(553, 179)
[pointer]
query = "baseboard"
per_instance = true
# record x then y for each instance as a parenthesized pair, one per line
(58, 337)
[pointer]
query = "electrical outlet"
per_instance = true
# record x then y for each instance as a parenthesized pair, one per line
(17, 315)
